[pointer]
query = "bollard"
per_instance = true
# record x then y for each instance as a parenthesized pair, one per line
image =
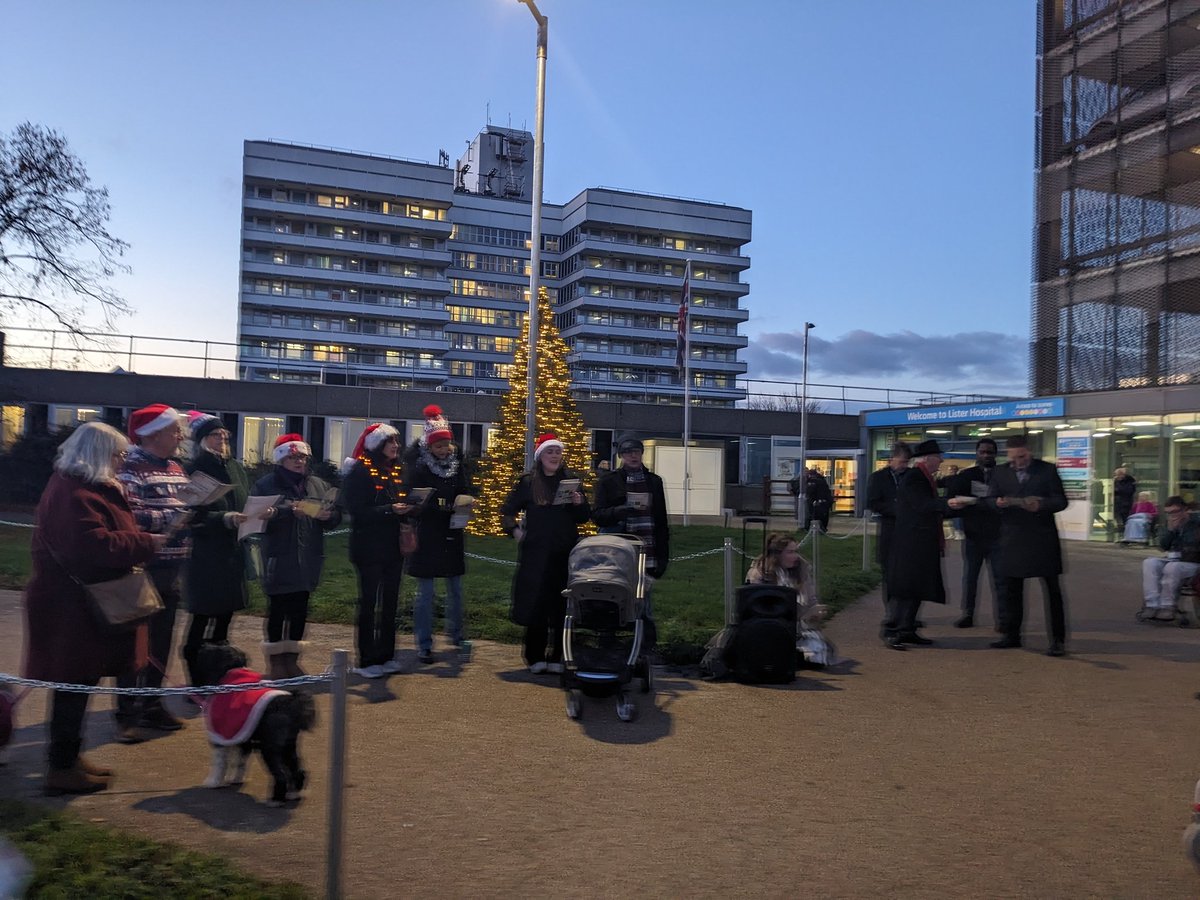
(866, 525)
(337, 777)
(729, 581)
(815, 530)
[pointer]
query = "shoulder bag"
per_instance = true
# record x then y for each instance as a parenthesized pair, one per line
(120, 603)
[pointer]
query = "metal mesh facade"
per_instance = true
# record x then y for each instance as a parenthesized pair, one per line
(1116, 267)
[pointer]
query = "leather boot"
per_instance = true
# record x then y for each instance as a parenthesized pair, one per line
(273, 656)
(72, 781)
(292, 660)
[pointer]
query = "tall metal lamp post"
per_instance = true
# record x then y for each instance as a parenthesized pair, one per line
(802, 494)
(535, 230)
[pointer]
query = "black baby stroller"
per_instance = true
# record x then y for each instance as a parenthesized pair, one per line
(602, 630)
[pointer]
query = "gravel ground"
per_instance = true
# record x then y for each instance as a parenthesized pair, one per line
(949, 771)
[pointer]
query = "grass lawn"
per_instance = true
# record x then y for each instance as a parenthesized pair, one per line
(689, 602)
(72, 858)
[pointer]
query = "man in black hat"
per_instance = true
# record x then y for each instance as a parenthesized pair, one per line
(632, 499)
(915, 573)
(1028, 492)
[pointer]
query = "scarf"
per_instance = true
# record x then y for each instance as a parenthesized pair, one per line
(442, 468)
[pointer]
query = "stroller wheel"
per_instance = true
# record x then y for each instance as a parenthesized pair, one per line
(626, 708)
(648, 679)
(574, 704)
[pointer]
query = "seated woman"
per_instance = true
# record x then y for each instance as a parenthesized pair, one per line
(783, 565)
(1140, 524)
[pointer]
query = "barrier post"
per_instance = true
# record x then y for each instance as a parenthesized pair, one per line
(728, 581)
(337, 777)
(866, 564)
(815, 530)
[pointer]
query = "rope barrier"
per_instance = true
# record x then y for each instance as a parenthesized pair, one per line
(185, 691)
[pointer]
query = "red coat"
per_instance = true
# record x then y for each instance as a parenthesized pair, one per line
(93, 534)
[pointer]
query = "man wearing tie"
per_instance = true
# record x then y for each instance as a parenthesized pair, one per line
(981, 525)
(1027, 493)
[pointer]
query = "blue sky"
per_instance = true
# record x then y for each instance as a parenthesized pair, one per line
(885, 148)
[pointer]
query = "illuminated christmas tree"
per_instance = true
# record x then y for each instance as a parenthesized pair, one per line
(556, 411)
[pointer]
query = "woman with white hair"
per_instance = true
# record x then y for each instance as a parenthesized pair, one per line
(85, 533)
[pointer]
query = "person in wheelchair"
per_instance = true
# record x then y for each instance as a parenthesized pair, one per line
(1164, 576)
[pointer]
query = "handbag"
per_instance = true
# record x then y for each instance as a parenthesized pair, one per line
(408, 539)
(120, 603)
(123, 602)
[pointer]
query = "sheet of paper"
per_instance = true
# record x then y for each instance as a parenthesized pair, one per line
(202, 490)
(979, 489)
(419, 495)
(967, 500)
(638, 500)
(256, 511)
(310, 507)
(566, 488)
(464, 501)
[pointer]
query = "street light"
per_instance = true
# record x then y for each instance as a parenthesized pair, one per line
(802, 494)
(535, 230)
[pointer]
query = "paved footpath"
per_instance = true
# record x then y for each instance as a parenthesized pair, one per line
(951, 771)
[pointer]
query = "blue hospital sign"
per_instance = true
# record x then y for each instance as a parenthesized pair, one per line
(1000, 410)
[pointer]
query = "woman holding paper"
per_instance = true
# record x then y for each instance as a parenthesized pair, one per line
(553, 507)
(299, 509)
(215, 576)
(373, 494)
(434, 462)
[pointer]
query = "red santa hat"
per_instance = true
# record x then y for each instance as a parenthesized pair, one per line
(151, 419)
(436, 426)
(369, 441)
(549, 439)
(287, 444)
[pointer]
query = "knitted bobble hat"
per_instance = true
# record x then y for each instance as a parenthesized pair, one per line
(436, 426)
(202, 425)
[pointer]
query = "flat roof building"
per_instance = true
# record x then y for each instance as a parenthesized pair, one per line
(384, 272)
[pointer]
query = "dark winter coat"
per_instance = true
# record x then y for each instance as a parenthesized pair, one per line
(1029, 545)
(1124, 490)
(550, 533)
(882, 486)
(980, 522)
(94, 536)
(914, 570)
(293, 547)
(374, 527)
(611, 510)
(215, 576)
(440, 549)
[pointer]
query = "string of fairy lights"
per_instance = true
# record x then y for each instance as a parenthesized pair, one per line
(556, 412)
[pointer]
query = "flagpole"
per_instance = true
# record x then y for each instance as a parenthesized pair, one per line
(686, 303)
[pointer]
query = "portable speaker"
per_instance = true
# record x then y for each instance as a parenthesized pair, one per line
(764, 649)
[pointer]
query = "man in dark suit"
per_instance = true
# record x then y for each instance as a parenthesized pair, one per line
(1028, 492)
(981, 527)
(918, 544)
(881, 500)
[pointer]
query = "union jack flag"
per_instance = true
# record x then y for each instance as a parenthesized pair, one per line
(681, 329)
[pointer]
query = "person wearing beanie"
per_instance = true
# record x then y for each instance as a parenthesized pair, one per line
(293, 550)
(632, 500)
(151, 478)
(434, 462)
(546, 532)
(373, 494)
(215, 576)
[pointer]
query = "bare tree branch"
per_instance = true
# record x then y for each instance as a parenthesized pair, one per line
(55, 249)
(783, 403)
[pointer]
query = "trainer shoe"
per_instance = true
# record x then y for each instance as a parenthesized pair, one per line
(425, 657)
(391, 667)
(967, 621)
(161, 720)
(370, 671)
(130, 734)
(538, 668)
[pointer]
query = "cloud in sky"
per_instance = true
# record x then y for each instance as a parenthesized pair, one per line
(977, 361)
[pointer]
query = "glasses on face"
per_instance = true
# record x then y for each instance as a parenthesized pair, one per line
(296, 457)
